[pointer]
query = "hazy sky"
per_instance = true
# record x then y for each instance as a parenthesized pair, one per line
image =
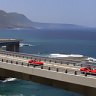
(82, 12)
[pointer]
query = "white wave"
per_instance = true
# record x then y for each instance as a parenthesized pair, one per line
(8, 80)
(17, 29)
(90, 59)
(13, 95)
(3, 46)
(25, 44)
(65, 55)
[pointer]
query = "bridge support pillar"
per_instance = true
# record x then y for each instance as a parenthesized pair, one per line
(13, 47)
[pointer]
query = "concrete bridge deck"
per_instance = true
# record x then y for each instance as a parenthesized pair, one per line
(54, 72)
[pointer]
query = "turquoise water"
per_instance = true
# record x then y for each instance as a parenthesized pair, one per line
(27, 88)
(46, 42)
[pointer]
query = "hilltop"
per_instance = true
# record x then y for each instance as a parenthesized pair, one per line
(16, 20)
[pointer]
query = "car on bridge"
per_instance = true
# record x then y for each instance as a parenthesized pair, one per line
(35, 62)
(88, 70)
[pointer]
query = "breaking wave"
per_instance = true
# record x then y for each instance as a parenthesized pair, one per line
(90, 59)
(65, 55)
(25, 44)
(9, 80)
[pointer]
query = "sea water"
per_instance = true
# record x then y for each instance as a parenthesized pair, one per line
(45, 42)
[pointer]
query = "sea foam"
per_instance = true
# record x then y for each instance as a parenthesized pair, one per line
(25, 44)
(9, 80)
(65, 55)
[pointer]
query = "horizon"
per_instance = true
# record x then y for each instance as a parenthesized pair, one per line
(54, 11)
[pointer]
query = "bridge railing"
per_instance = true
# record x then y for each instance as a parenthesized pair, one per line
(41, 58)
(50, 68)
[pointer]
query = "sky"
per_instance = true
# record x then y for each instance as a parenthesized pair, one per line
(81, 12)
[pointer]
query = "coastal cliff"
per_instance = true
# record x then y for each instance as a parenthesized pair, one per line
(16, 20)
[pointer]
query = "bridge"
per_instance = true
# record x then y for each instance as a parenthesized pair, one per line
(11, 44)
(63, 73)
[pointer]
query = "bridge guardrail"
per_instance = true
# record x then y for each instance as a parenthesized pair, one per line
(33, 56)
(50, 68)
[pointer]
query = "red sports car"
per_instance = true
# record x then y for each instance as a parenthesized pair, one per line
(88, 70)
(35, 62)
(85, 69)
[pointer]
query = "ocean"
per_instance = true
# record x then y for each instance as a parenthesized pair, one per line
(46, 42)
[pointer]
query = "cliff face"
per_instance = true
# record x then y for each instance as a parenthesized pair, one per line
(14, 20)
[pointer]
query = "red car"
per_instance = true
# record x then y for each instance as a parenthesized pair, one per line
(35, 62)
(85, 70)
(88, 70)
